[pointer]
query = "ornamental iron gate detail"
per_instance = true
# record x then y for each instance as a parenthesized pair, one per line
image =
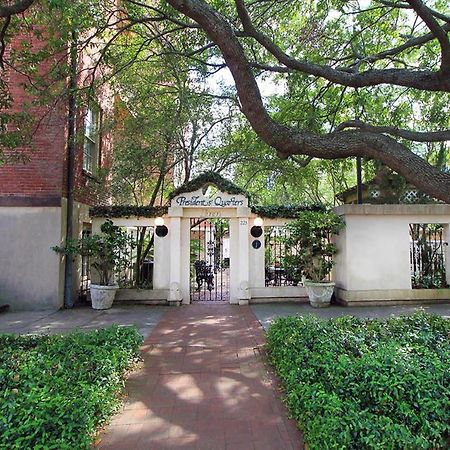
(210, 260)
(427, 256)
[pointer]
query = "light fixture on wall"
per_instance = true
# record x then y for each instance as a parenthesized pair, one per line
(258, 222)
(256, 230)
(161, 230)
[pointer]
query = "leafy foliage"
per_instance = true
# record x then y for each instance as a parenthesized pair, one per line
(209, 178)
(56, 390)
(163, 73)
(309, 237)
(107, 251)
(270, 179)
(283, 211)
(127, 211)
(268, 211)
(364, 383)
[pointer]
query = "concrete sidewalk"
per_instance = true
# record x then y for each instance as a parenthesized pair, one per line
(83, 318)
(146, 317)
(203, 385)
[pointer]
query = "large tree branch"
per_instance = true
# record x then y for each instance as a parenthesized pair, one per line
(399, 5)
(419, 79)
(416, 136)
(427, 16)
(289, 141)
(2, 40)
(15, 8)
(410, 43)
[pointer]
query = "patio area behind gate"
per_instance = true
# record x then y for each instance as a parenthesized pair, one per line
(209, 260)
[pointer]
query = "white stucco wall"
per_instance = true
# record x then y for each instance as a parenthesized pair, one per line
(184, 259)
(30, 272)
(374, 247)
(257, 277)
(161, 268)
(377, 253)
(234, 261)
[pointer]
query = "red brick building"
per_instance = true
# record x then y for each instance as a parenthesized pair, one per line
(33, 195)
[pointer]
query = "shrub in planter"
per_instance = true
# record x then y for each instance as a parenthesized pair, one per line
(312, 252)
(107, 256)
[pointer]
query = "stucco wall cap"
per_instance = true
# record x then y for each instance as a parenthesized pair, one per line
(393, 210)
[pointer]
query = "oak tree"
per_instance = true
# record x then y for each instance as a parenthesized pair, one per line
(400, 44)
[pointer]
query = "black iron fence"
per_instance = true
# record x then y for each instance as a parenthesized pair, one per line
(277, 271)
(85, 275)
(427, 256)
(136, 269)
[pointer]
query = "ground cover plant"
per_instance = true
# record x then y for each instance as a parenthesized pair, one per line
(56, 390)
(366, 384)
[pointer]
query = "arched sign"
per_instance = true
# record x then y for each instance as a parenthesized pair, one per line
(210, 199)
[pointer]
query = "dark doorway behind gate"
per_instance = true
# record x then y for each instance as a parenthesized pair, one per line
(210, 260)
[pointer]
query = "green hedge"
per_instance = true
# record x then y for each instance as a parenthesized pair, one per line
(205, 178)
(127, 211)
(366, 384)
(56, 390)
(284, 211)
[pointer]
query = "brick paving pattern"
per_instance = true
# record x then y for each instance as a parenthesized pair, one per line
(203, 385)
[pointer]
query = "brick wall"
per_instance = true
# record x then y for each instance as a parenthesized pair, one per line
(44, 175)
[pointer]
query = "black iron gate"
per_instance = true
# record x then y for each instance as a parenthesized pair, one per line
(210, 261)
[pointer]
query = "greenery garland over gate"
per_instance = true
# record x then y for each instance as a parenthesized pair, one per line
(265, 211)
(204, 180)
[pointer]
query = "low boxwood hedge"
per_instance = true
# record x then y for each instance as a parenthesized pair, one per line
(56, 390)
(366, 384)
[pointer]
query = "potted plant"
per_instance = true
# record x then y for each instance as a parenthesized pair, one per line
(312, 252)
(107, 256)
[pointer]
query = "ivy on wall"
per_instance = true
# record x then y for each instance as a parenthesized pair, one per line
(283, 211)
(206, 178)
(127, 211)
(268, 211)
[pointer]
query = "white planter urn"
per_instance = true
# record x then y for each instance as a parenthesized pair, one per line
(102, 297)
(319, 293)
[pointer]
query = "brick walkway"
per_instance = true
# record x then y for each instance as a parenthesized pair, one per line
(203, 385)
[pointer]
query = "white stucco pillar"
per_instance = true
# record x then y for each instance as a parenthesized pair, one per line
(175, 250)
(256, 261)
(243, 259)
(185, 253)
(339, 273)
(96, 225)
(161, 265)
(234, 260)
